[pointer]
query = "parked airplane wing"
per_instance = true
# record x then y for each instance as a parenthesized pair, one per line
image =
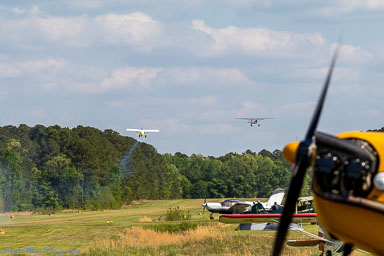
(239, 207)
(257, 218)
(304, 243)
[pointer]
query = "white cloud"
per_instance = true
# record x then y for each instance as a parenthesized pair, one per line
(203, 101)
(129, 77)
(253, 40)
(55, 73)
(175, 126)
(264, 3)
(165, 126)
(248, 109)
(212, 129)
(50, 64)
(196, 75)
(117, 104)
(366, 113)
(87, 4)
(207, 101)
(3, 94)
(9, 71)
(298, 106)
(135, 29)
(303, 109)
(41, 68)
(252, 109)
(39, 30)
(17, 10)
(351, 5)
(35, 10)
(354, 54)
(341, 7)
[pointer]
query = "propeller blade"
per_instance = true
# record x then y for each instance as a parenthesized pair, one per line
(303, 161)
(204, 204)
(290, 203)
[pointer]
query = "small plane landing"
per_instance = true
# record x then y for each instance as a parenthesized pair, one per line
(142, 132)
(254, 120)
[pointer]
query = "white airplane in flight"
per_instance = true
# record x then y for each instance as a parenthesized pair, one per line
(141, 132)
(254, 120)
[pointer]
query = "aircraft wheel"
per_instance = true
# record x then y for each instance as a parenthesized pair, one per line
(328, 253)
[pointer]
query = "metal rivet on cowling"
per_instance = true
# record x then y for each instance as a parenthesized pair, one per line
(378, 181)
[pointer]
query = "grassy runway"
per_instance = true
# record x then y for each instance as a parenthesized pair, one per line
(127, 232)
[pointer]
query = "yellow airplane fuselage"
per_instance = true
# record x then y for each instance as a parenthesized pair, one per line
(355, 220)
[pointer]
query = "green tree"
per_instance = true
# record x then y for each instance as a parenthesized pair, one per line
(11, 182)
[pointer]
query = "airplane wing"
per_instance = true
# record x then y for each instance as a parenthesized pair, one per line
(257, 218)
(304, 243)
(262, 118)
(151, 130)
(133, 130)
(336, 246)
(239, 207)
(254, 118)
(305, 198)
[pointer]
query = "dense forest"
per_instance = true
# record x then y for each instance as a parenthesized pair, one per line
(51, 168)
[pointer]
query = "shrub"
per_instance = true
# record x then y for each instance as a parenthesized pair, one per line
(175, 213)
(173, 228)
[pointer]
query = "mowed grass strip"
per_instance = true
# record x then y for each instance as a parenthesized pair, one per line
(123, 232)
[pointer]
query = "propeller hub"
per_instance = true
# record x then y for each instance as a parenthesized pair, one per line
(290, 152)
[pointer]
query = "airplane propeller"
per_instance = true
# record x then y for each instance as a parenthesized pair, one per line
(304, 155)
(204, 204)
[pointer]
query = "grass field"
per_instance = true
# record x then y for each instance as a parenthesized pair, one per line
(135, 230)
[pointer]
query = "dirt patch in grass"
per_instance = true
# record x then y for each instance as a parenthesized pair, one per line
(15, 214)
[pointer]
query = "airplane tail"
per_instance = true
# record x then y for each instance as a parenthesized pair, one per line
(277, 196)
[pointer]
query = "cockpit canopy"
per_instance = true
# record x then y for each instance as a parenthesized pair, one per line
(231, 202)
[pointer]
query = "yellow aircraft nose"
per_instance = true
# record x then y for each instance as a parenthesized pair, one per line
(290, 151)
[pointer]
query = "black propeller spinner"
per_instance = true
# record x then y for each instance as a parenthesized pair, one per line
(303, 160)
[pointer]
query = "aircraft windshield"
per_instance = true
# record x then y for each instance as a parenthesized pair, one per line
(227, 203)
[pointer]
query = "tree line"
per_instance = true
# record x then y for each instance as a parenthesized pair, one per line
(49, 168)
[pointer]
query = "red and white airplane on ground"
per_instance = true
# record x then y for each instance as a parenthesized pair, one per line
(268, 217)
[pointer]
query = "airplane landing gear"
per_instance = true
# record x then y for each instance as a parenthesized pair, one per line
(211, 216)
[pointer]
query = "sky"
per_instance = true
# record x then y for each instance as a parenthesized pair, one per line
(189, 68)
